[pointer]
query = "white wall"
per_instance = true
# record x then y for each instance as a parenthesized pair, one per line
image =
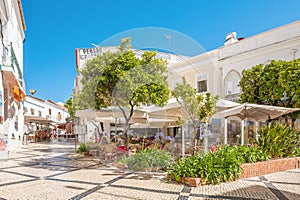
(41, 105)
(282, 43)
(35, 104)
(13, 33)
(55, 110)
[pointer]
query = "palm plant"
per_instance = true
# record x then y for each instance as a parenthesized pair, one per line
(278, 140)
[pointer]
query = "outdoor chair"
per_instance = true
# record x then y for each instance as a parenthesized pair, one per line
(110, 152)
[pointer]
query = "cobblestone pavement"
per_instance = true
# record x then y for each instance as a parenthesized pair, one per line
(54, 171)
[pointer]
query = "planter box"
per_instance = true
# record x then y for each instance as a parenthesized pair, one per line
(85, 153)
(253, 169)
(120, 165)
(193, 182)
(268, 167)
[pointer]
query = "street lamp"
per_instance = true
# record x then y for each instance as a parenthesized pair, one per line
(168, 36)
(32, 92)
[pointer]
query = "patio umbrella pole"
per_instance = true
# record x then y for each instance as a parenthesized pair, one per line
(256, 131)
(206, 138)
(182, 141)
(243, 127)
(243, 131)
(225, 131)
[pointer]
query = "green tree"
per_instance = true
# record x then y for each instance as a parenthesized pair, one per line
(69, 105)
(90, 76)
(196, 107)
(250, 84)
(126, 81)
(274, 84)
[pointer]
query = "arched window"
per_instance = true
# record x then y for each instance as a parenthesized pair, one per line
(231, 83)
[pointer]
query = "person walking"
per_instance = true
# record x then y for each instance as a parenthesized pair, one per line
(25, 135)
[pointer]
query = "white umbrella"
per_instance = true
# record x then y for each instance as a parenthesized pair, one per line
(255, 112)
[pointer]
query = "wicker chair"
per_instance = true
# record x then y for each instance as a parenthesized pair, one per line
(110, 152)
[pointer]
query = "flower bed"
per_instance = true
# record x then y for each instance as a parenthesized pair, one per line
(253, 169)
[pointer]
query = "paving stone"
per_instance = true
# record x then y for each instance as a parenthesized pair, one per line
(55, 171)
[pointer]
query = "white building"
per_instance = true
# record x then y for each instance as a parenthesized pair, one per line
(282, 43)
(44, 110)
(219, 71)
(222, 68)
(12, 90)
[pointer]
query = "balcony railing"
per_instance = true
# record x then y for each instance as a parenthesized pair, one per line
(15, 64)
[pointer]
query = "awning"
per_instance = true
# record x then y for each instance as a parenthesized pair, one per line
(16, 89)
(61, 126)
(18, 92)
(256, 112)
(37, 119)
(173, 110)
(111, 114)
(152, 116)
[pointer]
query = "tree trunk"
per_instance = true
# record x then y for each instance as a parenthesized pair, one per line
(126, 125)
(125, 130)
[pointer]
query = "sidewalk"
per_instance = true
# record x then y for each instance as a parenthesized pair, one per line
(54, 171)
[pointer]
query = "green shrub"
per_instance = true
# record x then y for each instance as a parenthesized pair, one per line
(297, 152)
(213, 168)
(278, 140)
(149, 159)
(251, 154)
(83, 148)
(221, 166)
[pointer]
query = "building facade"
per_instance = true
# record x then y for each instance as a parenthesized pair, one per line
(222, 68)
(45, 110)
(219, 71)
(12, 85)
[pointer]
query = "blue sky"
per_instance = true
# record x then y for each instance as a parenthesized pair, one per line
(56, 27)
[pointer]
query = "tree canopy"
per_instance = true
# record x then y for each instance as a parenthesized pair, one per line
(124, 80)
(197, 108)
(274, 84)
(90, 75)
(69, 105)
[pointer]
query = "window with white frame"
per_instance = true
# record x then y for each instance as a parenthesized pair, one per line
(202, 86)
(201, 81)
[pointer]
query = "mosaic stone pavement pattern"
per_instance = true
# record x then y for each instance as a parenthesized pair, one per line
(54, 171)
